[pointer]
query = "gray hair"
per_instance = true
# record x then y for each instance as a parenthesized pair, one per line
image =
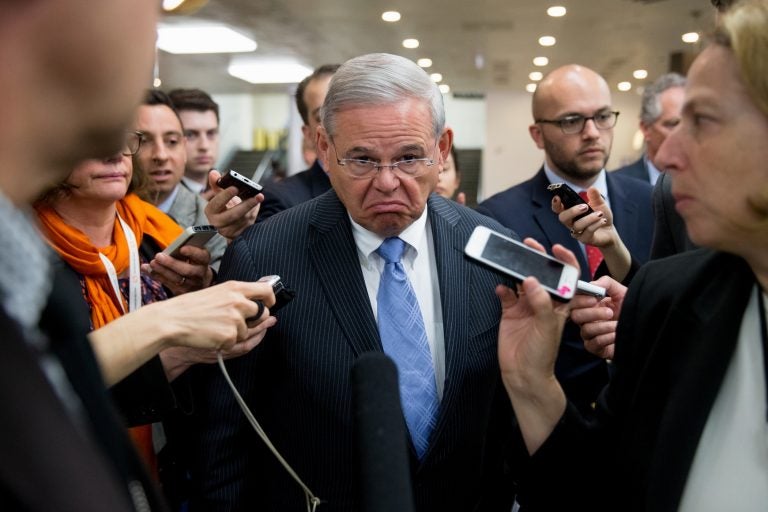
(650, 110)
(380, 79)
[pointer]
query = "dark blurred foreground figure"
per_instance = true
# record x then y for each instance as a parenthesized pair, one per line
(69, 91)
(682, 426)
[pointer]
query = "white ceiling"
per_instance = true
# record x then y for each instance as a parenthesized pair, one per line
(614, 37)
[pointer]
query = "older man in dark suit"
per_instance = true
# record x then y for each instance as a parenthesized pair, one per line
(383, 142)
(573, 124)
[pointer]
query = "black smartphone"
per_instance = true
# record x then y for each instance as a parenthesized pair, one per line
(514, 259)
(246, 187)
(569, 198)
(197, 236)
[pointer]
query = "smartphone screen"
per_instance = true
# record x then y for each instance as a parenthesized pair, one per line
(523, 261)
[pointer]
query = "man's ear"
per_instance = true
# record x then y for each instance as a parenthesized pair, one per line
(323, 146)
(536, 135)
(444, 144)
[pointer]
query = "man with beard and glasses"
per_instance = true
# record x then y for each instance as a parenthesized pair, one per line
(573, 124)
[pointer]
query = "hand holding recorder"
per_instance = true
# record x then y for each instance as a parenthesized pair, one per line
(235, 204)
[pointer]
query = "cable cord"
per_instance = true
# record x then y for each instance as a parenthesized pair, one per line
(311, 500)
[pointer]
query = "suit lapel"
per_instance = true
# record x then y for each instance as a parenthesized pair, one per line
(624, 210)
(555, 232)
(333, 254)
(454, 281)
(700, 365)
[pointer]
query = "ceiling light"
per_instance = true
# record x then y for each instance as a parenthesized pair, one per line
(556, 11)
(182, 6)
(444, 88)
(436, 77)
(157, 83)
(411, 43)
(268, 71)
(535, 75)
(540, 61)
(547, 41)
(424, 63)
(202, 39)
(640, 74)
(690, 37)
(530, 87)
(624, 86)
(390, 16)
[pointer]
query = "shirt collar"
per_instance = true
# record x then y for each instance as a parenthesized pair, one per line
(165, 206)
(194, 186)
(23, 253)
(600, 183)
(367, 241)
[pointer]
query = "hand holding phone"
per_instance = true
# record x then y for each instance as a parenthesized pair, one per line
(514, 259)
(197, 236)
(246, 187)
(569, 198)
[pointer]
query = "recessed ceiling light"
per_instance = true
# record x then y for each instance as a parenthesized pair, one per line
(390, 16)
(268, 71)
(157, 83)
(180, 39)
(535, 75)
(436, 77)
(540, 61)
(640, 74)
(547, 41)
(411, 43)
(444, 88)
(424, 63)
(624, 86)
(690, 37)
(556, 11)
(530, 87)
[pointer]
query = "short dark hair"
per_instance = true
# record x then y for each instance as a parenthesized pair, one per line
(157, 97)
(324, 70)
(194, 99)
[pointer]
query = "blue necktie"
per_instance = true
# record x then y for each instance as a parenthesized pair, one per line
(404, 339)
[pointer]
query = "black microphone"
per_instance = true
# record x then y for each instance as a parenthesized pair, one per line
(383, 471)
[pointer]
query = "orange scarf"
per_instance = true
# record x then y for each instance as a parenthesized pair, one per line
(75, 248)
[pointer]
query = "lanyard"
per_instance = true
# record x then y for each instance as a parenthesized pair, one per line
(134, 278)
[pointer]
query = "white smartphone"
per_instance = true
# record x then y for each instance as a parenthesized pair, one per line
(515, 259)
(197, 236)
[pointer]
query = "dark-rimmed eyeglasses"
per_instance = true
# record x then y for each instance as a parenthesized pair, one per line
(365, 169)
(132, 143)
(575, 123)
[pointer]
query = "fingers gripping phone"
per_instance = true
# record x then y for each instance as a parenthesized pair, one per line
(569, 198)
(246, 188)
(196, 236)
(514, 259)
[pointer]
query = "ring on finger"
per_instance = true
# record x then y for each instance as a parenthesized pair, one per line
(183, 280)
(576, 234)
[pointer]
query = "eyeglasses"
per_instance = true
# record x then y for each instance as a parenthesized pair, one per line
(407, 166)
(131, 143)
(575, 123)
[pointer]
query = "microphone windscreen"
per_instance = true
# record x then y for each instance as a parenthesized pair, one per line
(383, 469)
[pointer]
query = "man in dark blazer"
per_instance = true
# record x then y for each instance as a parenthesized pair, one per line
(312, 182)
(62, 448)
(574, 126)
(383, 144)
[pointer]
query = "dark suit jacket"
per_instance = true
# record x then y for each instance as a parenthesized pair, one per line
(50, 461)
(294, 190)
(637, 170)
(678, 331)
(669, 233)
(525, 208)
(297, 380)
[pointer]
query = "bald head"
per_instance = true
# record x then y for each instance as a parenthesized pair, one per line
(570, 94)
(570, 82)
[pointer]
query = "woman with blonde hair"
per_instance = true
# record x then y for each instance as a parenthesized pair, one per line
(682, 425)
